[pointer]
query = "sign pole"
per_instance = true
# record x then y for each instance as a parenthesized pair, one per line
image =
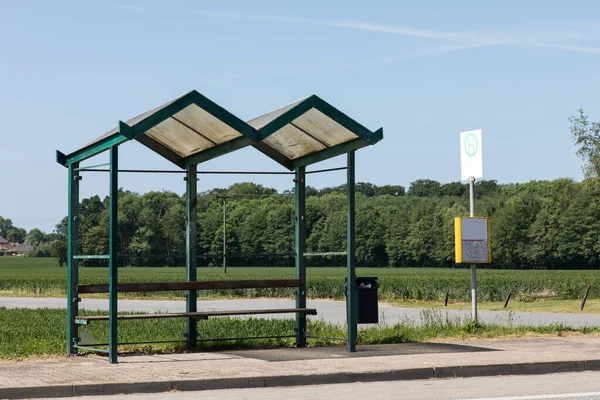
(473, 266)
(471, 168)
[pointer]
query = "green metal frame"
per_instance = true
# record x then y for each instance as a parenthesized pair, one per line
(331, 152)
(191, 243)
(113, 247)
(250, 136)
(300, 244)
(92, 257)
(91, 150)
(351, 300)
(72, 263)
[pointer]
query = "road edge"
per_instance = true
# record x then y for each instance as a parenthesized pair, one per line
(462, 371)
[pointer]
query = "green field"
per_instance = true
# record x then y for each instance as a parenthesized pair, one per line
(43, 277)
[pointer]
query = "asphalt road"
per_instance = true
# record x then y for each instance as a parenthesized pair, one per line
(332, 311)
(572, 386)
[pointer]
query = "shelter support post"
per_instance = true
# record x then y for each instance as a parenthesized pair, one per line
(224, 235)
(300, 244)
(351, 300)
(113, 245)
(191, 190)
(72, 263)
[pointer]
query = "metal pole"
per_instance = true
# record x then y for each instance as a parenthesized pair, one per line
(351, 303)
(224, 235)
(72, 263)
(300, 244)
(191, 241)
(113, 250)
(473, 266)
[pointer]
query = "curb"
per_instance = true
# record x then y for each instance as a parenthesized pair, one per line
(466, 371)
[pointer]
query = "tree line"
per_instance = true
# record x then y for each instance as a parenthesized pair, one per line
(538, 224)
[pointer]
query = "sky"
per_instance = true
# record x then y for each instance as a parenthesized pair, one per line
(424, 71)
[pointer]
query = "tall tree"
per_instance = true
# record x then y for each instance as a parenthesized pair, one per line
(11, 232)
(424, 188)
(35, 237)
(586, 135)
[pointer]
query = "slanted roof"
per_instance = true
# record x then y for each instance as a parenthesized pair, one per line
(3, 241)
(187, 130)
(308, 131)
(192, 129)
(21, 248)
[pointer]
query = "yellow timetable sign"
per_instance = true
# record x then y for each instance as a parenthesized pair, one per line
(472, 240)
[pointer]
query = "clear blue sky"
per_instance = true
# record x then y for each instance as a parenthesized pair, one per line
(423, 70)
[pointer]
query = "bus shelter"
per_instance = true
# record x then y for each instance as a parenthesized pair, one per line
(190, 130)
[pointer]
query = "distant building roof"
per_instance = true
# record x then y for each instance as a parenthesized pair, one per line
(3, 241)
(21, 248)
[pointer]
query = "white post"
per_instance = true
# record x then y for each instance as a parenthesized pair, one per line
(473, 266)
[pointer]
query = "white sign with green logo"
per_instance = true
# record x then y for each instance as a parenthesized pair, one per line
(471, 162)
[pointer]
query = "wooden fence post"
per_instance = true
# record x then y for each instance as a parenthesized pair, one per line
(507, 298)
(587, 291)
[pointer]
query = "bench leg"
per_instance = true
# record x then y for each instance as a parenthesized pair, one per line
(300, 330)
(191, 331)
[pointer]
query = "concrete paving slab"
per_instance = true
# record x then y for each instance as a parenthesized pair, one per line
(382, 350)
(78, 376)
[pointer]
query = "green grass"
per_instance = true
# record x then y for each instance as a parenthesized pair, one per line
(43, 277)
(27, 332)
(35, 333)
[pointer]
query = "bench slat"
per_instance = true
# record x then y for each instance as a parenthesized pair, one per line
(201, 285)
(199, 314)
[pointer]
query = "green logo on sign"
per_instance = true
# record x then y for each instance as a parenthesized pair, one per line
(471, 144)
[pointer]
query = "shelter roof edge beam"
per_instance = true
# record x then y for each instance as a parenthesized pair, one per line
(91, 150)
(161, 150)
(274, 154)
(331, 152)
(347, 122)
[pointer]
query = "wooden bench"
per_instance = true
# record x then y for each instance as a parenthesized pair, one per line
(84, 320)
(201, 285)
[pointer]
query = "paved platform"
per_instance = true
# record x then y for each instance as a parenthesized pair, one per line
(93, 375)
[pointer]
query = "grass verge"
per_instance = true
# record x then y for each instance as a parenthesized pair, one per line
(34, 333)
(592, 306)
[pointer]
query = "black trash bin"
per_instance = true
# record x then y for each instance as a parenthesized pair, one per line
(366, 296)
